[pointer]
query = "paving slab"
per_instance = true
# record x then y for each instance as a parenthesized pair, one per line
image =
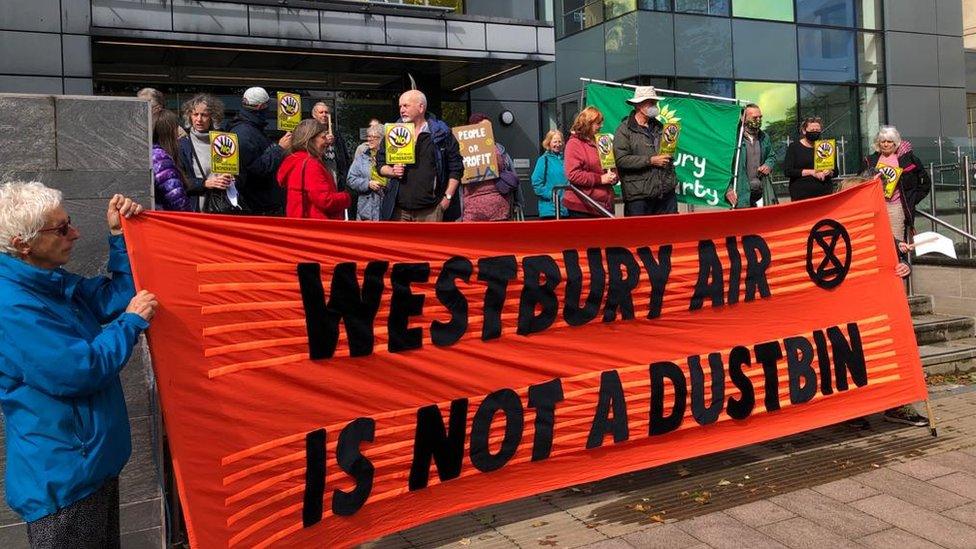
(845, 490)
(896, 537)
(922, 469)
(661, 536)
(963, 513)
(759, 513)
(801, 533)
(843, 519)
(963, 484)
(724, 532)
(923, 523)
(911, 489)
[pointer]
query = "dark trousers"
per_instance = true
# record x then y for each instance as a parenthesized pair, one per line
(89, 523)
(667, 204)
(573, 214)
(754, 196)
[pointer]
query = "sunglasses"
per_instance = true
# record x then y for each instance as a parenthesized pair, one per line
(62, 229)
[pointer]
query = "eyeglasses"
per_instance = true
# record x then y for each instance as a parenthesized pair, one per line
(62, 229)
(372, 137)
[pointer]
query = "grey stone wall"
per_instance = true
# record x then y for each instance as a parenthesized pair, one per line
(91, 148)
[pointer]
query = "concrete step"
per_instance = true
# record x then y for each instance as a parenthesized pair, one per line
(947, 357)
(935, 328)
(920, 304)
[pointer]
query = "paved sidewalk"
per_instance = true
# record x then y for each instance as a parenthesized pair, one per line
(889, 486)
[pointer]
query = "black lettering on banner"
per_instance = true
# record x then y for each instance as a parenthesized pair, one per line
(823, 361)
(658, 271)
(741, 408)
(710, 282)
(799, 361)
(768, 354)
(431, 441)
(848, 356)
(621, 287)
(496, 271)
(358, 307)
(659, 423)
(314, 478)
(355, 464)
(735, 269)
(508, 402)
(447, 333)
(611, 396)
(321, 324)
(543, 398)
(572, 312)
(707, 414)
(536, 295)
(758, 258)
(404, 304)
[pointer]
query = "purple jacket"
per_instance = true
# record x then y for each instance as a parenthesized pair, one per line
(170, 192)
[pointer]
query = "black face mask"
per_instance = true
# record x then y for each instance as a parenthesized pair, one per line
(812, 136)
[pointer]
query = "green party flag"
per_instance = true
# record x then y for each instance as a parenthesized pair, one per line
(706, 150)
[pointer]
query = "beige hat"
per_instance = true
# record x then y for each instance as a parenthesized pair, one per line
(643, 93)
(255, 98)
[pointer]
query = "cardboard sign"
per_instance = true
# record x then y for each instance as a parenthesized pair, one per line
(604, 148)
(289, 111)
(889, 177)
(324, 383)
(401, 143)
(669, 138)
(477, 143)
(824, 154)
(225, 153)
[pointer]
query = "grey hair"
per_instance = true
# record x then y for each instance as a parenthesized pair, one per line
(887, 133)
(421, 98)
(23, 209)
(323, 103)
(375, 130)
(155, 97)
(213, 103)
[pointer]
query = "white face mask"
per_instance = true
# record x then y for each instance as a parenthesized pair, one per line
(652, 111)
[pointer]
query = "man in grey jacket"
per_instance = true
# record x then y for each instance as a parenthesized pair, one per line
(646, 177)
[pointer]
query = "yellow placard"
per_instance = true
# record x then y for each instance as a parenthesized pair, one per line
(289, 111)
(604, 148)
(374, 174)
(889, 178)
(401, 143)
(669, 138)
(225, 153)
(477, 143)
(824, 154)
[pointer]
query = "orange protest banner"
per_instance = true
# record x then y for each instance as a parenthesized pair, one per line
(318, 378)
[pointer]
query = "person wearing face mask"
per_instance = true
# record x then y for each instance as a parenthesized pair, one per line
(549, 173)
(755, 158)
(259, 157)
(647, 179)
(913, 185)
(805, 181)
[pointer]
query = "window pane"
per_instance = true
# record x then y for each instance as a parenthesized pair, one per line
(836, 13)
(578, 15)
(870, 57)
(706, 86)
(871, 102)
(826, 54)
(776, 10)
(704, 7)
(778, 104)
(616, 8)
(837, 106)
(655, 5)
(869, 14)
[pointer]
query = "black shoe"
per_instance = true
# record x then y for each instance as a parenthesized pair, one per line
(859, 423)
(906, 415)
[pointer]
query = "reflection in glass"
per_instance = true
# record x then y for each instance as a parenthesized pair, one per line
(835, 13)
(778, 104)
(774, 10)
(704, 7)
(577, 15)
(655, 5)
(616, 8)
(621, 47)
(871, 103)
(870, 57)
(719, 87)
(869, 14)
(826, 54)
(837, 106)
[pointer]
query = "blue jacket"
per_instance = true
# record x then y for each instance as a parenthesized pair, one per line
(63, 341)
(260, 159)
(547, 174)
(360, 174)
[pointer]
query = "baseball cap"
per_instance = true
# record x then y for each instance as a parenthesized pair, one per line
(255, 97)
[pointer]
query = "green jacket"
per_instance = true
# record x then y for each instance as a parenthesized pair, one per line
(765, 156)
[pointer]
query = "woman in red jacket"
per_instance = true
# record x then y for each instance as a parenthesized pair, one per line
(310, 189)
(582, 164)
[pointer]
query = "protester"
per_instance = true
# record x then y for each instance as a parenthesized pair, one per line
(647, 179)
(422, 191)
(335, 155)
(310, 187)
(549, 173)
(365, 144)
(913, 185)
(157, 101)
(583, 169)
(65, 340)
(170, 183)
(259, 157)
(365, 180)
(755, 157)
(491, 199)
(204, 113)
(805, 181)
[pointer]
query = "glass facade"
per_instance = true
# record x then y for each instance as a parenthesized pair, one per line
(774, 10)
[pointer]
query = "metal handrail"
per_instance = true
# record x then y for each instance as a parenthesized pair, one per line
(585, 197)
(949, 226)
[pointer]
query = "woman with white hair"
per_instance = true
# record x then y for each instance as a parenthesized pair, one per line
(63, 341)
(909, 189)
(364, 178)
